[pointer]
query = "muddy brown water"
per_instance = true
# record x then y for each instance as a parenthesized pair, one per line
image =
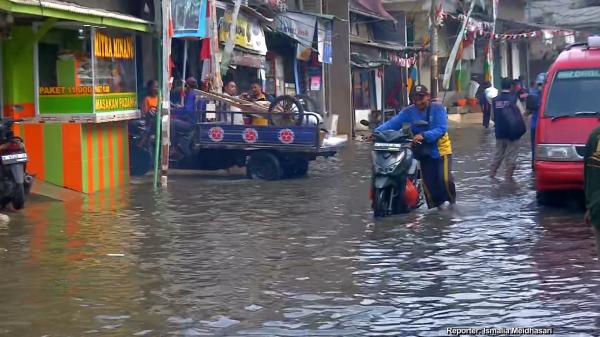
(233, 257)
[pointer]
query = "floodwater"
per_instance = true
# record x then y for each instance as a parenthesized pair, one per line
(232, 257)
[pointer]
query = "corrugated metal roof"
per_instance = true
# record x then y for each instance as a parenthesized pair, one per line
(67, 7)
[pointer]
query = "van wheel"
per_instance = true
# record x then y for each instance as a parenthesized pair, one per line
(264, 166)
(544, 198)
(295, 168)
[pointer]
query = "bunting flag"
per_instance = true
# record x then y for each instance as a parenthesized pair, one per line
(413, 77)
(452, 59)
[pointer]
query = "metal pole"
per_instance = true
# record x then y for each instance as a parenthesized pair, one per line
(185, 57)
(165, 109)
(434, 43)
(159, 45)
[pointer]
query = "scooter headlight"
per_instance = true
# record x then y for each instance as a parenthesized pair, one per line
(390, 162)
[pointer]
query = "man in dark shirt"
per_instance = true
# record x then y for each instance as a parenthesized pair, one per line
(507, 150)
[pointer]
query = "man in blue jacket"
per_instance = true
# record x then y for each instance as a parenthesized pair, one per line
(507, 150)
(436, 170)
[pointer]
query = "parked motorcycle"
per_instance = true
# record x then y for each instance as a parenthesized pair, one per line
(141, 145)
(142, 140)
(396, 187)
(15, 183)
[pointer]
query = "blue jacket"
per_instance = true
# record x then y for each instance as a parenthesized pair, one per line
(437, 132)
(189, 108)
(498, 104)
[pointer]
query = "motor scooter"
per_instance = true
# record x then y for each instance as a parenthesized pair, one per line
(395, 185)
(15, 183)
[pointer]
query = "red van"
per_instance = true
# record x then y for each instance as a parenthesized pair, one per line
(569, 111)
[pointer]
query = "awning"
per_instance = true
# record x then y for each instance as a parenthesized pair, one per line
(371, 8)
(383, 45)
(318, 15)
(242, 58)
(363, 61)
(68, 11)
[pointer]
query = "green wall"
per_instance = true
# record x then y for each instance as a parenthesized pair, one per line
(17, 54)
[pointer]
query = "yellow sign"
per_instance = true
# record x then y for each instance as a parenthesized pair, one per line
(118, 102)
(243, 35)
(81, 90)
(114, 47)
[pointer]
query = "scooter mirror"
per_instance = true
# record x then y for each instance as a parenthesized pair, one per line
(421, 123)
(365, 122)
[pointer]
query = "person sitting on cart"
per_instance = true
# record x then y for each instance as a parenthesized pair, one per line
(230, 89)
(257, 94)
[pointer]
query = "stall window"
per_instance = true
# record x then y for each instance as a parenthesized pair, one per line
(65, 72)
(114, 71)
(83, 71)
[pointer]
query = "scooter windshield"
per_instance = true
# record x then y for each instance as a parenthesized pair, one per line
(391, 136)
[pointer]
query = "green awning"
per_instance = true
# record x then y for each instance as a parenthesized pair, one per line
(68, 11)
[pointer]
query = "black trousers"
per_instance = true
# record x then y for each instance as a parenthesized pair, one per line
(487, 114)
(438, 182)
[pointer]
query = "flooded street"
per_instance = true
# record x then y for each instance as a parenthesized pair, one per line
(233, 257)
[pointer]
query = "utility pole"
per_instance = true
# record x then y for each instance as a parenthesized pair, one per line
(434, 44)
(164, 109)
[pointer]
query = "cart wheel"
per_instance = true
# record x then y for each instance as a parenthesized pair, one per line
(296, 168)
(264, 166)
(286, 111)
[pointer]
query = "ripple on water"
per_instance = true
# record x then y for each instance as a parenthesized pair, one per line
(232, 257)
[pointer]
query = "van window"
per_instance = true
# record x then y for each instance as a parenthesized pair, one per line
(574, 91)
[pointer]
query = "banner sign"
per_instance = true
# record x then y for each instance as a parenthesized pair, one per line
(116, 102)
(249, 33)
(189, 18)
(300, 27)
(74, 90)
(325, 45)
(109, 47)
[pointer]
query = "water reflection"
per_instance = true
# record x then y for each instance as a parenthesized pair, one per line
(232, 257)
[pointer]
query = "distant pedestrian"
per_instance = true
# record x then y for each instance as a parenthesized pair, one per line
(592, 183)
(509, 128)
(486, 106)
(533, 105)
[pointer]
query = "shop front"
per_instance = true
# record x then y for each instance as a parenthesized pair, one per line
(307, 52)
(74, 82)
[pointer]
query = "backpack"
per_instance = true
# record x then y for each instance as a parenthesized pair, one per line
(514, 122)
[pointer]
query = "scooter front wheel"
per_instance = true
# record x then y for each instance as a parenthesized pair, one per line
(381, 203)
(18, 201)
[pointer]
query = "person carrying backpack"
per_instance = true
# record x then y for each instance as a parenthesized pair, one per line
(509, 128)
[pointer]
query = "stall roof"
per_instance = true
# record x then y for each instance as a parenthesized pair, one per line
(382, 45)
(516, 26)
(69, 11)
(370, 8)
(319, 15)
(364, 61)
